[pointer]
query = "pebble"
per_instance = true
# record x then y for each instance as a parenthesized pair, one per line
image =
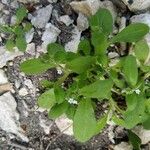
(72, 45)
(137, 5)
(143, 134)
(28, 1)
(66, 20)
(42, 16)
(23, 92)
(82, 22)
(29, 35)
(50, 34)
(62, 123)
(31, 49)
(7, 55)
(123, 146)
(9, 118)
(3, 78)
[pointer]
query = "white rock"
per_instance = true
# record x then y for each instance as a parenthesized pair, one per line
(3, 78)
(29, 35)
(123, 146)
(63, 123)
(113, 55)
(42, 17)
(46, 125)
(82, 22)
(13, 20)
(90, 7)
(52, 1)
(31, 49)
(50, 34)
(73, 44)
(137, 5)
(28, 1)
(143, 134)
(9, 118)
(66, 20)
(7, 55)
(23, 92)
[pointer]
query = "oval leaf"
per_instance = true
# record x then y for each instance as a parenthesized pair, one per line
(102, 21)
(132, 33)
(130, 70)
(99, 89)
(47, 99)
(84, 124)
(34, 66)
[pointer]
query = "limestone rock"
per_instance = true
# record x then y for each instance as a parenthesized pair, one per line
(137, 5)
(62, 123)
(50, 34)
(42, 16)
(7, 55)
(73, 44)
(123, 146)
(28, 1)
(9, 116)
(143, 134)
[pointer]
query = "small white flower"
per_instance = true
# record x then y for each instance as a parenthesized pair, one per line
(137, 91)
(72, 101)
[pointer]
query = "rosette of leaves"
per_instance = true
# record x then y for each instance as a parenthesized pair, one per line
(93, 79)
(16, 33)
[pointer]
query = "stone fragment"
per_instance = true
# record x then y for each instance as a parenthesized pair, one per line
(7, 55)
(50, 34)
(29, 35)
(23, 92)
(137, 5)
(82, 22)
(66, 20)
(72, 45)
(9, 118)
(28, 1)
(42, 16)
(123, 146)
(65, 125)
(31, 49)
(143, 134)
(3, 78)
(90, 7)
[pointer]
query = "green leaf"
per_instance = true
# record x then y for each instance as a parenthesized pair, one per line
(47, 99)
(53, 48)
(135, 140)
(18, 30)
(135, 110)
(101, 123)
(10, 44)
(84, 124)
(21, 43)
(34, 66)
(99, 89)
(131, 33)
(99, 41)
(46, 84)
(6, 29)
(21, 13)
(84, 47)
(59, 94)
(81, 64)
(27, 27)
(142, 50)
(130, 70)
(146, 123)
(60, 56)
(71, 112)
(58, 109)
(102, 21)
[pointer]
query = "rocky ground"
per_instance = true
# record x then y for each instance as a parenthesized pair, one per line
(24, 126)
